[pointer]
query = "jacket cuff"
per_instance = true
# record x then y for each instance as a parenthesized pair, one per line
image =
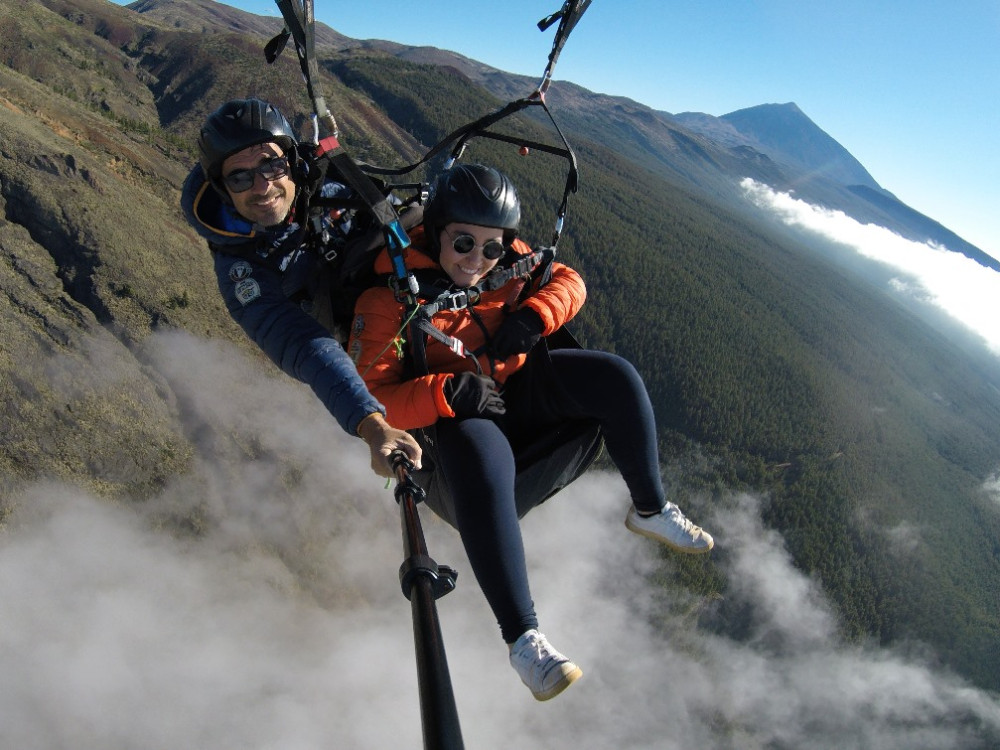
(443, 407)
(544, 315)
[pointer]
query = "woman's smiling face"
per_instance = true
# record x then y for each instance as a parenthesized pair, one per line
(466, 269)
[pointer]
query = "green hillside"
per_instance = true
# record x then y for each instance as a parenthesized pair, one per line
(771, 368)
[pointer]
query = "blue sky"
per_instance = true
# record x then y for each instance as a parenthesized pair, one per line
(911, 89)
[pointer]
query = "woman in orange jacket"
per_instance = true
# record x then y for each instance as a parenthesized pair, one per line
(466, 392)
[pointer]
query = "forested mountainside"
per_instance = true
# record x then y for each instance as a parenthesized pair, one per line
(771, 369)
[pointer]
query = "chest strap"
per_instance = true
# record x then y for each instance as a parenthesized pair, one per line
(438, 297)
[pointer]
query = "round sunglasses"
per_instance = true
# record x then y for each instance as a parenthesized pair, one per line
(463, 244)
(241, 180)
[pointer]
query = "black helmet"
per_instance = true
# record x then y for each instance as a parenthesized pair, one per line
(237, 125)
(472, 194)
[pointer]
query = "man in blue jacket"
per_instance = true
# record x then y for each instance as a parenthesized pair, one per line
(248, 198)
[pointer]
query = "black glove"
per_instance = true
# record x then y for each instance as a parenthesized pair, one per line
(471, 395)
(518, 333)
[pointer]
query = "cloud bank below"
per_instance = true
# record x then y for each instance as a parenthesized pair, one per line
(966, 291)
(255, 603)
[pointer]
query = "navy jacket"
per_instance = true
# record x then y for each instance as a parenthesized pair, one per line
(260, 273)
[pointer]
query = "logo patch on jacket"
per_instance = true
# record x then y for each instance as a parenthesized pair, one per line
(240, 270)
(247, 291)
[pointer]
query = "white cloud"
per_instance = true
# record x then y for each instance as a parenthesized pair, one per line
(280, 622)
(965, 290)
(992, 488)
(904, 537)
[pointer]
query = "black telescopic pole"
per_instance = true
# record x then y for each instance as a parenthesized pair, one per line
(424, 581)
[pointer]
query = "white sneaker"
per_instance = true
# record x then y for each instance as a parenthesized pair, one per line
(544, 670)
(672, 528)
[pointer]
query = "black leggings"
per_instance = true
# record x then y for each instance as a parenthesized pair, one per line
(477, 460)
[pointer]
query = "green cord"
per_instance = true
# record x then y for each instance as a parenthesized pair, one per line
(397, 340)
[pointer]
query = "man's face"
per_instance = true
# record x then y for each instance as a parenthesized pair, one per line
(266, 202)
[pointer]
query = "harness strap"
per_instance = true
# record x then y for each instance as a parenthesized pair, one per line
(441, 298)
(423, 323)
(568, 16)
(438, 299)
(478, 129)
(300, 26)
(464, 133)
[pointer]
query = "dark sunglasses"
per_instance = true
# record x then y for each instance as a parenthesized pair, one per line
(242, 179)
(463, 244)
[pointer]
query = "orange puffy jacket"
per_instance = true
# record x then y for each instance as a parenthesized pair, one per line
(377, 346)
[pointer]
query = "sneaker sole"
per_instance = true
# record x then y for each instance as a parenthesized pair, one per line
(568, 679)
(666, 542)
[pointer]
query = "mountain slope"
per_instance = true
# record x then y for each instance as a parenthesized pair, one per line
(783, 131)
(770, 369)
(207, 17)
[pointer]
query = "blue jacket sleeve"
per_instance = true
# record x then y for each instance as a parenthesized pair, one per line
(292, 339)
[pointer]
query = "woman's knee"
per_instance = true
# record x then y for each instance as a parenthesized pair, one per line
(593, 374)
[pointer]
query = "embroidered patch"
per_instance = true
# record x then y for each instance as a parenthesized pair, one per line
(247, 291)
(240, 270)
(355, 351)
(359, 325)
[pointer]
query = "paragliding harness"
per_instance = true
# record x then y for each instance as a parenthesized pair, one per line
(563, 451)
(550, 451)
(547, 463)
